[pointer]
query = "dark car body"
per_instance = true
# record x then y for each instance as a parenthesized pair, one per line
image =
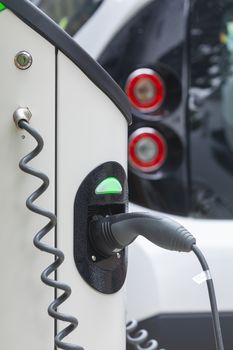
(186, 43)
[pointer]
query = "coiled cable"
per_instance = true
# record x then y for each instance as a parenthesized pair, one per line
(139, 337)
(59, 256)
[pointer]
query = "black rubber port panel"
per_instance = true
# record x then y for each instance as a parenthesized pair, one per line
(107, 275)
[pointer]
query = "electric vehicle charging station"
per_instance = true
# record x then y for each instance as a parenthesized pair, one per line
(60, 81)
(77, 183)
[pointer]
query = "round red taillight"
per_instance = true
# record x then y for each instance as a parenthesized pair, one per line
(145, 90)
(147, 149)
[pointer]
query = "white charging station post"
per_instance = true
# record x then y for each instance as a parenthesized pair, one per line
(83, 126)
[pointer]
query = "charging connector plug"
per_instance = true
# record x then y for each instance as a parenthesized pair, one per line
(109, 235)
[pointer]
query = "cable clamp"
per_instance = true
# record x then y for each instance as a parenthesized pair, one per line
(202, 277)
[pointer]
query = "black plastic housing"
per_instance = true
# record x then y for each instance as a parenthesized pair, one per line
(107, 275)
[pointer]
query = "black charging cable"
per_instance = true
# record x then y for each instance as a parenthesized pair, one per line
(109, 235)
(212, 297)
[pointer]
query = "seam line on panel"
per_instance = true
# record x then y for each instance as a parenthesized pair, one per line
(56, 183)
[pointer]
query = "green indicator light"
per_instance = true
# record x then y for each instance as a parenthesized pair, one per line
(2, 6)
(109, 186)
(64, 22)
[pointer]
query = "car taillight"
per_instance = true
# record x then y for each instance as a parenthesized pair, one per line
(145, 90)
(147, 149)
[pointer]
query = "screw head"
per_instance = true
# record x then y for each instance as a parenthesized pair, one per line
(23, 60)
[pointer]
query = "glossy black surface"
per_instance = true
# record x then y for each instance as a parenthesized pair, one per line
(193, 52)
(211, 108)
(155, 38)
(187, 331)
(159, 190)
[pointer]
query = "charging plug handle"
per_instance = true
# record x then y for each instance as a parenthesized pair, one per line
(110, 235)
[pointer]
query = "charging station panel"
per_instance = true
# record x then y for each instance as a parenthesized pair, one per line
(103, 192)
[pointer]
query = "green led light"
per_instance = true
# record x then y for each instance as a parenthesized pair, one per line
(64, 22)
(109, 186)
(2, 6)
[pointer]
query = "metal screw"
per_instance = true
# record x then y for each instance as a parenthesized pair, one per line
(23, 60)
(93, 258)
(118, 255)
